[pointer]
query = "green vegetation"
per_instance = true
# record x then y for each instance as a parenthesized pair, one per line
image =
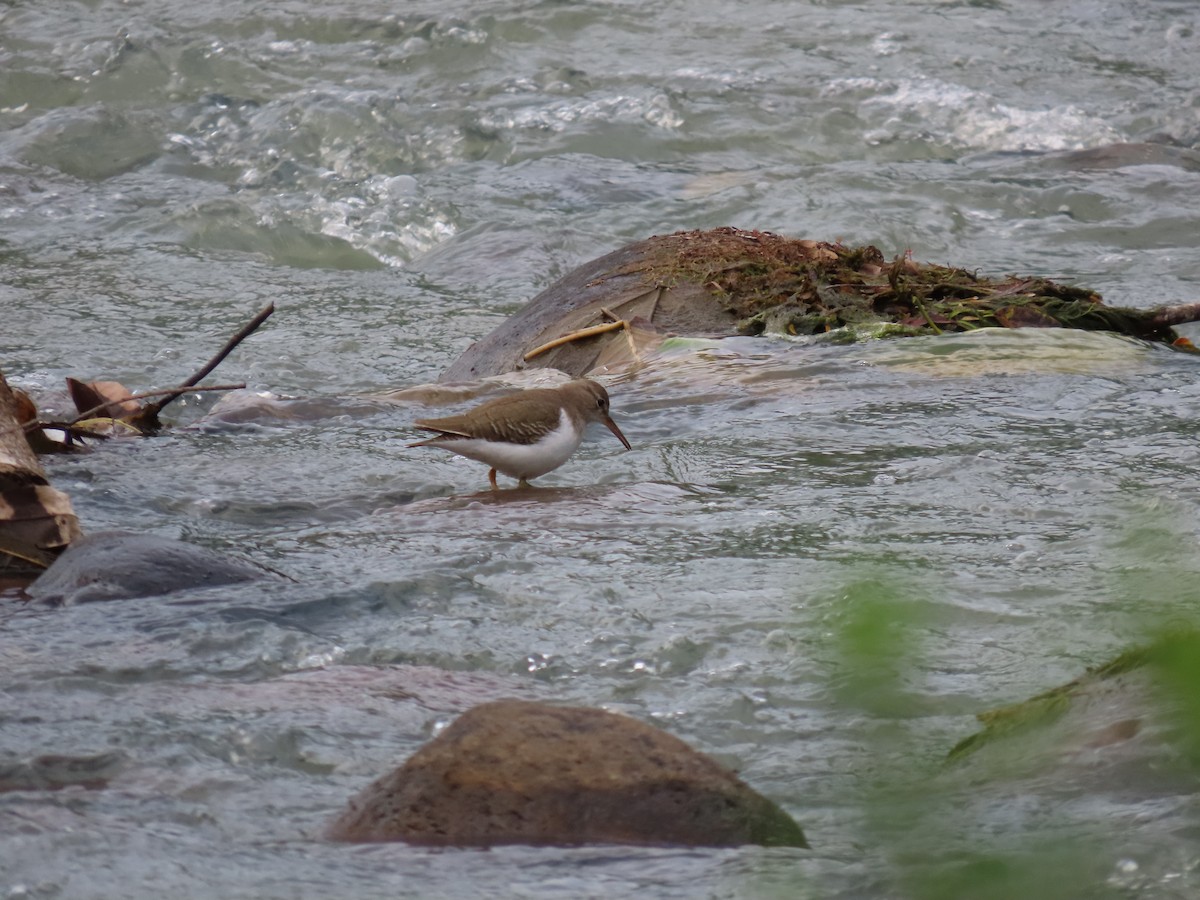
(781, 285)
(1004, 823)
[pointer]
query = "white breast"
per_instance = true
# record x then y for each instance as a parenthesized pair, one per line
(523, 460)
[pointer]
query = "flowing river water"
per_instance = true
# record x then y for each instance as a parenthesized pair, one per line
(817, 563)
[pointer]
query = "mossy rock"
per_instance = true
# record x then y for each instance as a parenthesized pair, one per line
(1108, 704)
(727, 281)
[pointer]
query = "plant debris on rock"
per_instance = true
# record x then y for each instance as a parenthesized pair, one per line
(728, 281)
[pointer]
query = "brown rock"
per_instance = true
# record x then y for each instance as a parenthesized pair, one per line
(725, 281)
(520, 772)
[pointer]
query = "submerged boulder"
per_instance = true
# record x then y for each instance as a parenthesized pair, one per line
(54, 771)
(728, 281)
(1138, 714)
(521, 772)
(113, 565)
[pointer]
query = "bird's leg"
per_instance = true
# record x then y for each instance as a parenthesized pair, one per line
(522, 483)
(492, 479)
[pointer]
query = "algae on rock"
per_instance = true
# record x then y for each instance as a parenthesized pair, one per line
(726, 281)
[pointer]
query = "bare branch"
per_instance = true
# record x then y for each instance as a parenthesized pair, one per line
(153, 409)
(163, 392)
(1168, 316)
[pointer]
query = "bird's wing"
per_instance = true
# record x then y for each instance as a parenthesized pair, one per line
(515, 418)
(444, 427)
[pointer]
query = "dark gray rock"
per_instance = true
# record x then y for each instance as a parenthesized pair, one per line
(117, 566)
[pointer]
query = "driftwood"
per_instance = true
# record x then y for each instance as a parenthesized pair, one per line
(107, 407)
(150, 411)
(36, 521)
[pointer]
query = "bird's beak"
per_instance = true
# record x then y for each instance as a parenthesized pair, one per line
(612, 426)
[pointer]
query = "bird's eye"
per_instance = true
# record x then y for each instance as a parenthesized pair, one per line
(600, 402)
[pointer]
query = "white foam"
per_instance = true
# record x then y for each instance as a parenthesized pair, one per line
(931, 109)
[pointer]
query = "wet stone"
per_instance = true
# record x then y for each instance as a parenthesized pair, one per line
(53, 771)
(112, 565)
(725, 281)
(520, 772)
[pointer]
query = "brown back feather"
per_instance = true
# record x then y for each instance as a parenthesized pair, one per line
(518, 418)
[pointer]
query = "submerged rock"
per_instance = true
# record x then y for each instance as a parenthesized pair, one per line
(113, 565)
(520, 772)
(1138, 714)
(52, 772)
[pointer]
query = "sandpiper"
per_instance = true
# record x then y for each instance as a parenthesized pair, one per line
(527, 434)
